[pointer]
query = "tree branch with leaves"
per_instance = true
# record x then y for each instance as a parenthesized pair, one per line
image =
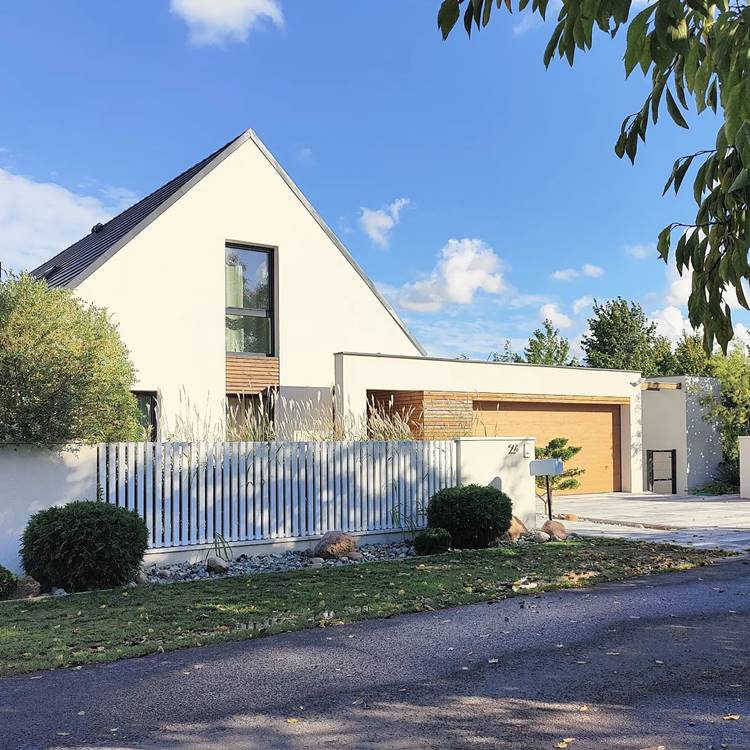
(695, 54)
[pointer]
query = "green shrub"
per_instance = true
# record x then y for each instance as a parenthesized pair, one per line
(83, 545)
(432, 541)
(474, 516)
(7, 583)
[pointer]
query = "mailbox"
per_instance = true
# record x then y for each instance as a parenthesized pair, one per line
(546, 467)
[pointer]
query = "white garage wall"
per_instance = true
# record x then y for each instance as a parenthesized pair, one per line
(680, 419)
(356, 373)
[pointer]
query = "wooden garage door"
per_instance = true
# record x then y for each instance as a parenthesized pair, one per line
(595, 427)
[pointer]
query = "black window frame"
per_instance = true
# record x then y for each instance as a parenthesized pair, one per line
(251, 312)
(148, 406)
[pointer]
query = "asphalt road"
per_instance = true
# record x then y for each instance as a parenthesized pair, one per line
(654, 661)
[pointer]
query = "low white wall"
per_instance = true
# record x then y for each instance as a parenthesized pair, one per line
(32, 479)
(502, 463)
(745, 467)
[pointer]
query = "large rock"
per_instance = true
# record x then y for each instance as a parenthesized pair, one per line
(556, 530)
(516, 531)
(217, 565)
(541, 537)
(27, 587)
(335, 544)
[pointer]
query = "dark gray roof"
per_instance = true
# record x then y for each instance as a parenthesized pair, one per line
(80, 256)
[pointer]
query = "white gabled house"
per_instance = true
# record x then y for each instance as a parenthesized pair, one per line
(226, 281)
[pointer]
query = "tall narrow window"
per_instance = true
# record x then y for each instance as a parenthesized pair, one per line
(249, 300)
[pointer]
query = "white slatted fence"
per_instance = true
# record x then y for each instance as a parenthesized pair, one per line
(189, 493)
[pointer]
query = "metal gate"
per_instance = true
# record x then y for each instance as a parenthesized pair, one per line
(661, 471)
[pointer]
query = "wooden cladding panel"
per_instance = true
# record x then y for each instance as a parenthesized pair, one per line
(594, 427)
(447, 415)
(409, 404)
(251, 374)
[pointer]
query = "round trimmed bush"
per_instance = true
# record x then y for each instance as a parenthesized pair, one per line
(474, 516)
(7, 583)
(83, 545)
(432, 541)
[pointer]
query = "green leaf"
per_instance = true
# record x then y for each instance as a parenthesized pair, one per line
(549, 52)
(681, 172)
(662, 245)
(447, 16)
(658, 89)
(674, 111)
(636, 39)
(742, 180)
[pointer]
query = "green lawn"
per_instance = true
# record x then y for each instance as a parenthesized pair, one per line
(98, 627)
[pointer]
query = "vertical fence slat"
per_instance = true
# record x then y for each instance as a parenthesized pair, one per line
(188, 493)
(286, 460)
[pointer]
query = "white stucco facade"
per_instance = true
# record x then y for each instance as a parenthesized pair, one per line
(166, 289)
(356, 373)
(678, 419)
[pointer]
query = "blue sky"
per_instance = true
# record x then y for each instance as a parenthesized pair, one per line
(478, 190)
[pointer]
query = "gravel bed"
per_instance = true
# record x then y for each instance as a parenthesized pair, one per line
(273, 562)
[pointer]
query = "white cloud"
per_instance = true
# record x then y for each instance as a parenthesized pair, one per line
(582, 303)
(555, 315)
(451, 338)
(678, 287)
(671, 322)
(592, 271)
(38, 219)
(641, 251)
(464, 268)
(565, 274)
(587, 269)
(220, 21)
(378, 224)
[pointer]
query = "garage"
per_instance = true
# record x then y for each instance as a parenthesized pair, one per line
(593, 426)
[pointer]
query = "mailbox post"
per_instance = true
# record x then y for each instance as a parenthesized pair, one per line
(547, 467)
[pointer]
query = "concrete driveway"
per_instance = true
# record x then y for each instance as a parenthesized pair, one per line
(713, 521)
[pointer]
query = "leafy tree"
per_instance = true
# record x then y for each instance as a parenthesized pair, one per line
(694, 53)
(65, 375)
(621, 337)
(732, 413)
(548, 347)
(690, 356)
(664, 360)
(559, 448)
(507, 355)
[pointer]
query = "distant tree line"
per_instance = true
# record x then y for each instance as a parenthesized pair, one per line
(620, 336)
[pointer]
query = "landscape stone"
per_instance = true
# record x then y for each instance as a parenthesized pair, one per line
(217, 565)
(556, 530)
(335, 545)
(541, 537)
(26, 587)
(516, 531)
